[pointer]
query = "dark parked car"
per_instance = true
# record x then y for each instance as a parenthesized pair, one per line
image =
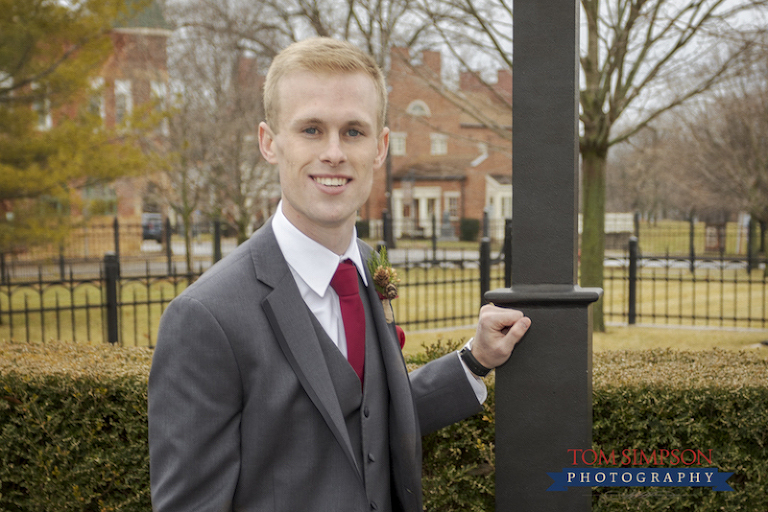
(152, 226)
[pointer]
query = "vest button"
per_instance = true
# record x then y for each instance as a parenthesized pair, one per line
(371, 458)
(366, 412)
(374, 506)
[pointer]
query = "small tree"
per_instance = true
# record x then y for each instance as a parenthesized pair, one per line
(49, 142)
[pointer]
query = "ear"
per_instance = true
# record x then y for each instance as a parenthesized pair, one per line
(267, 143)
(382, 148)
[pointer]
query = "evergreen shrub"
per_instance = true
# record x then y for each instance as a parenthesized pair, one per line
(469, 229)
(73, 429)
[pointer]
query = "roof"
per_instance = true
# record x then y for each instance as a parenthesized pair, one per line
(149, 17)
(440, 168)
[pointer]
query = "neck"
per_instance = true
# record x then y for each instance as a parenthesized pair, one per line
(334, 237)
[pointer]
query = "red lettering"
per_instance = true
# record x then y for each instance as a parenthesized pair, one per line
(693, 461)
(702, 456)
(594, 457)
(647, 461)
(675, 457)
(574, 455)
(663, 454)
(625, 458)
(608, 460)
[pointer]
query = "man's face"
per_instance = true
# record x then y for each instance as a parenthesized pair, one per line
(326, 147)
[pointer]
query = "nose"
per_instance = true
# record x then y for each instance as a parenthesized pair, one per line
(333, 154)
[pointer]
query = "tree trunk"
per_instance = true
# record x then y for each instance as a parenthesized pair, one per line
(593, 227)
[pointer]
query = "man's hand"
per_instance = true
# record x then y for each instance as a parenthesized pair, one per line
(498, 331)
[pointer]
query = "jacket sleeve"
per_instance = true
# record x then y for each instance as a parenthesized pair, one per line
(442, 394)
(195, 397)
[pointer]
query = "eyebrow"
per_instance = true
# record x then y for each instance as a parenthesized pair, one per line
(355, 123)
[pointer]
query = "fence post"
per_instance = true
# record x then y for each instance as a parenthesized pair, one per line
(388, 231)
(636, 218)
(168, 249)
(691, 241)
(116, 231)
(434, 239)
(216, 240)
(633, 255)
(111, 276)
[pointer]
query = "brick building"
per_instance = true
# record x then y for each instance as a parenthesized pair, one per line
(133, 75)
(444, 162)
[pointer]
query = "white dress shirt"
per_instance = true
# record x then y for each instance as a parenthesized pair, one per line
(313, 276)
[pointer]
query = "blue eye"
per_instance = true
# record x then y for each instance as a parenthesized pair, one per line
(310, 131)
(353, 133)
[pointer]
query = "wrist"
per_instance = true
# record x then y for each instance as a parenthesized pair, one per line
(472, 363)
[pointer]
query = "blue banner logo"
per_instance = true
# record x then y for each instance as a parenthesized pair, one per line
(640, 477)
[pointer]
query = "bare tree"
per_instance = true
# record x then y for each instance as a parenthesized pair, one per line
(217, 54)
(728, 136)
(642, 57)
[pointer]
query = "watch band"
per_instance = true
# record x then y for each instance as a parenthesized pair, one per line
(472, 363)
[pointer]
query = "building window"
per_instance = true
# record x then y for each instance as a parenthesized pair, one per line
(506, 207)
(452, 205)
(418, 108)
(123, 100)
(96, 102)
(42, 107)
(159, 94)
(397, 143)
(438, 144)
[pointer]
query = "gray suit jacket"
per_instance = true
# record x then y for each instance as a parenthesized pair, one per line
(242, 411)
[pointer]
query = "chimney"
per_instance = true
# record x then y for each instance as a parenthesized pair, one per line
(431, 60)
(469, 82)
(504, 80)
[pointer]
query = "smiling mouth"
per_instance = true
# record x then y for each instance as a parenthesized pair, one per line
(331, 181)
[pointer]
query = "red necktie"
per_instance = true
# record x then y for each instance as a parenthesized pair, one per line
(344, 282)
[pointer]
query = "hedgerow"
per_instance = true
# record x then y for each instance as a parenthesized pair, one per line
(73, 429)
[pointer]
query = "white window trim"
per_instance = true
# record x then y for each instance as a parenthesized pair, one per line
(123, 88)
(418, 108)
(397, 143)
(438, 144)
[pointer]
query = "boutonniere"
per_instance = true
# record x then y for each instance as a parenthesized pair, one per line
(384, 280)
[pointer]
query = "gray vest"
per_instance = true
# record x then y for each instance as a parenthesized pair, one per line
(366, 410)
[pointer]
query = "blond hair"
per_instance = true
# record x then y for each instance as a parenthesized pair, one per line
(321, 55)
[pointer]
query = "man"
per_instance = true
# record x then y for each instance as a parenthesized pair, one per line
(253, 405)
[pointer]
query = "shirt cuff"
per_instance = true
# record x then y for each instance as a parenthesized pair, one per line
(477, 383)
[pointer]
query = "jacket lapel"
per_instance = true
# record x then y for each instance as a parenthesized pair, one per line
(405, 437)
(292, 326)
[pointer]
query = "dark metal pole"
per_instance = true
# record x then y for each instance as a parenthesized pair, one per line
(507, 252)
(633, 255)
(216, 240)
(434, 239)
(389, 234)
(692, 242)
(168, 248)
(111, 276)
(544, 392)
(485, 268)
(116, 232)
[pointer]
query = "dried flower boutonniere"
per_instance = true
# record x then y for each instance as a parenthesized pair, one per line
(384, 280)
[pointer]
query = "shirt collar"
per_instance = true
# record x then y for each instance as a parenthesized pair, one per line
(317, 270)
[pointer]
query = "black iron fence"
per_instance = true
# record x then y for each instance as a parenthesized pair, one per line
(438, 289)
(720, 291)
(108, 307)
(121, 300)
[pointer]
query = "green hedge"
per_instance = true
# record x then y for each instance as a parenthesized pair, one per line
(73, 429)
